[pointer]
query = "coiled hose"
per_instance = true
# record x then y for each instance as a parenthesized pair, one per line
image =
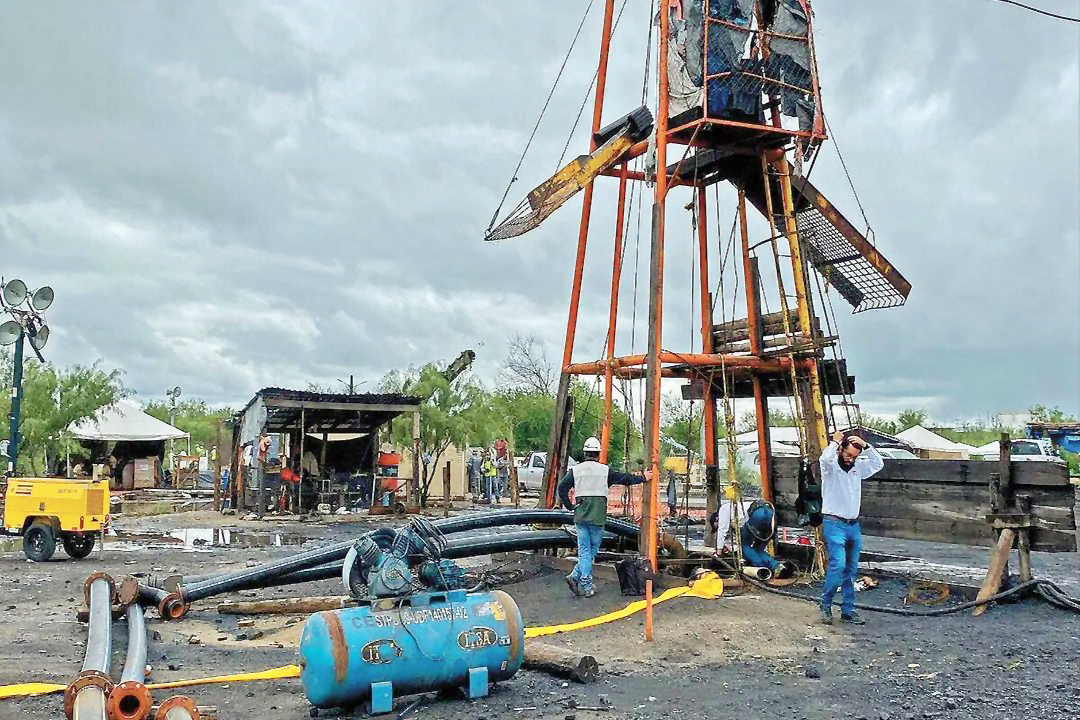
(1045, 589)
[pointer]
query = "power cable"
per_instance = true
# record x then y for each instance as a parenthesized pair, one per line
(513, 178)
(585, 100)
(1045, 589)
(1040, 11)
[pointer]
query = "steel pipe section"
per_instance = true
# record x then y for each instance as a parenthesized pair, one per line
(178, 707)
(84, 699)
(173, 606)
(130, 700)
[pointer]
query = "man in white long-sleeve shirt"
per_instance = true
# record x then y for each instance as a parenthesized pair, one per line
(845, 463)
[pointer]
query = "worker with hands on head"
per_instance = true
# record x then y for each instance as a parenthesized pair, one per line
(845, 463)
(590, 481)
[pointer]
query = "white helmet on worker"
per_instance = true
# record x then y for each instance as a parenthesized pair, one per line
(592, 445)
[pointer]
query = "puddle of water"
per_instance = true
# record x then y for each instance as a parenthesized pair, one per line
(204, 538)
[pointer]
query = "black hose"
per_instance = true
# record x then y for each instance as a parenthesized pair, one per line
(1037, 585)
(260, 576)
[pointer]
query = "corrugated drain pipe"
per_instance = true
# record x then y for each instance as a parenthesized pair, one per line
(84, 699)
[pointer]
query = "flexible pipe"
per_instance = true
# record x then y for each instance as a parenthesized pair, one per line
(130, 700)
(173, 605)
(85, 697)
(1037, 585)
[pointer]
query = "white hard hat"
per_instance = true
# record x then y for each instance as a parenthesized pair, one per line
(592, 445)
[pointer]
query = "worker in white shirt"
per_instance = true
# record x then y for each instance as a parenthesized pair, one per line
(845, 463)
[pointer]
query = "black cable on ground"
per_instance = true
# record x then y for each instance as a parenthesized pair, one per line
(1045, 589)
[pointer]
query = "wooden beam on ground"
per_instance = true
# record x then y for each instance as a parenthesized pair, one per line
(560, 662)
(998, 558)
(285, 606)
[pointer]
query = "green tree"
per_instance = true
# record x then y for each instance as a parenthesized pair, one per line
(910, 418)
(194, 417)
(54, 399)
(1044, 414)
(452, 413)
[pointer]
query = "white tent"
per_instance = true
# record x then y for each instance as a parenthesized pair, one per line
(923, 439)
(989, 449)
(125, 421)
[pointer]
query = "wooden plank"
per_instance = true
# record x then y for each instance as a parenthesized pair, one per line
(286, 606)
(1024, 474)
(347, 406)
(943, 517)
(776, 318)
(994, 571)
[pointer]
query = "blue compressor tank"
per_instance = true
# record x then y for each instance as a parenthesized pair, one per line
(401, 646)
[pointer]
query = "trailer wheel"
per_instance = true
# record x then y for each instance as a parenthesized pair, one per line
(39, 543)
(79, 545)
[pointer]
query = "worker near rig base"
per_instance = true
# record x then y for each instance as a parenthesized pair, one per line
(590, 481)
(845, 463)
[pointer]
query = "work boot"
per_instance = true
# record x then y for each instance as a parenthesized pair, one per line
(853, 618)
(826, 616)
(572, 583)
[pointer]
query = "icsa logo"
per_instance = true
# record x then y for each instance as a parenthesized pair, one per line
(381, 652)
(477, 638)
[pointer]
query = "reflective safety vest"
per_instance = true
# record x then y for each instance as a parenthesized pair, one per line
(590, 479)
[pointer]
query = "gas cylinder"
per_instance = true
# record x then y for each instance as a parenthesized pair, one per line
(418, 643)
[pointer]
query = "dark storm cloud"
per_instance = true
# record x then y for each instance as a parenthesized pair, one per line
(227, 196)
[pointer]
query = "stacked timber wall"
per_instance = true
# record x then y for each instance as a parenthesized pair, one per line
(948, 500)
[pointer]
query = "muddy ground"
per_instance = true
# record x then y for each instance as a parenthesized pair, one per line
(744, 656)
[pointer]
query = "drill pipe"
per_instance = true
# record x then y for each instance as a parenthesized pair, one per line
(174, 605)
(130, 700)
(84, 699)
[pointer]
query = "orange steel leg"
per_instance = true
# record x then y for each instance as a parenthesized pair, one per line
(709, 419)
(652, 439)
(753, 314)
(613, 314)
(586, 206)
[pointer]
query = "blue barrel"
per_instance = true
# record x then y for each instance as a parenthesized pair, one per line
(425, 642)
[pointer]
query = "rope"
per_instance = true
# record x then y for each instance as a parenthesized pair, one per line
(543, 110)
(585, 100)
(851, 183)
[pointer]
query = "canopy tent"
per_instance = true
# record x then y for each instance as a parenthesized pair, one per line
(922, 439)
(125, 421)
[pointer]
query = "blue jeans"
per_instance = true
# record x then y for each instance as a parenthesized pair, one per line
(588, 544)
(844, 542)
(491, 488)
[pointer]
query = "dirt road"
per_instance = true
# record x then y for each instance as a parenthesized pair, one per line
(748, 656)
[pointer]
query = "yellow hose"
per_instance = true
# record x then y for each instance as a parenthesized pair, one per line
(708, 587)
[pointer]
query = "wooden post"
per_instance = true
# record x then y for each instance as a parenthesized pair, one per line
(515, 491)
(556, 460)
(216, 466)
(560, 662)
(300, 485)
(413, 496)
(1023, 540)
(999, 558)
(446, 489)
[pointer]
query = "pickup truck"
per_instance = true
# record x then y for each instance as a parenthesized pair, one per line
(531, 471)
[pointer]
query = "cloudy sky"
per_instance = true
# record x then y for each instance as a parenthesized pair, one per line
(227, 196)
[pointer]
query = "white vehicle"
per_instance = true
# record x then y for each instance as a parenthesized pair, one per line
(531, 471)
(897, 454)
(1029, 450)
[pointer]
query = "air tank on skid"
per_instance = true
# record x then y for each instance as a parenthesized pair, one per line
(416, 629)
(420, 643)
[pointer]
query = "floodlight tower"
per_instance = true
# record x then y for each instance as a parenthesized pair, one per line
(28, 320)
